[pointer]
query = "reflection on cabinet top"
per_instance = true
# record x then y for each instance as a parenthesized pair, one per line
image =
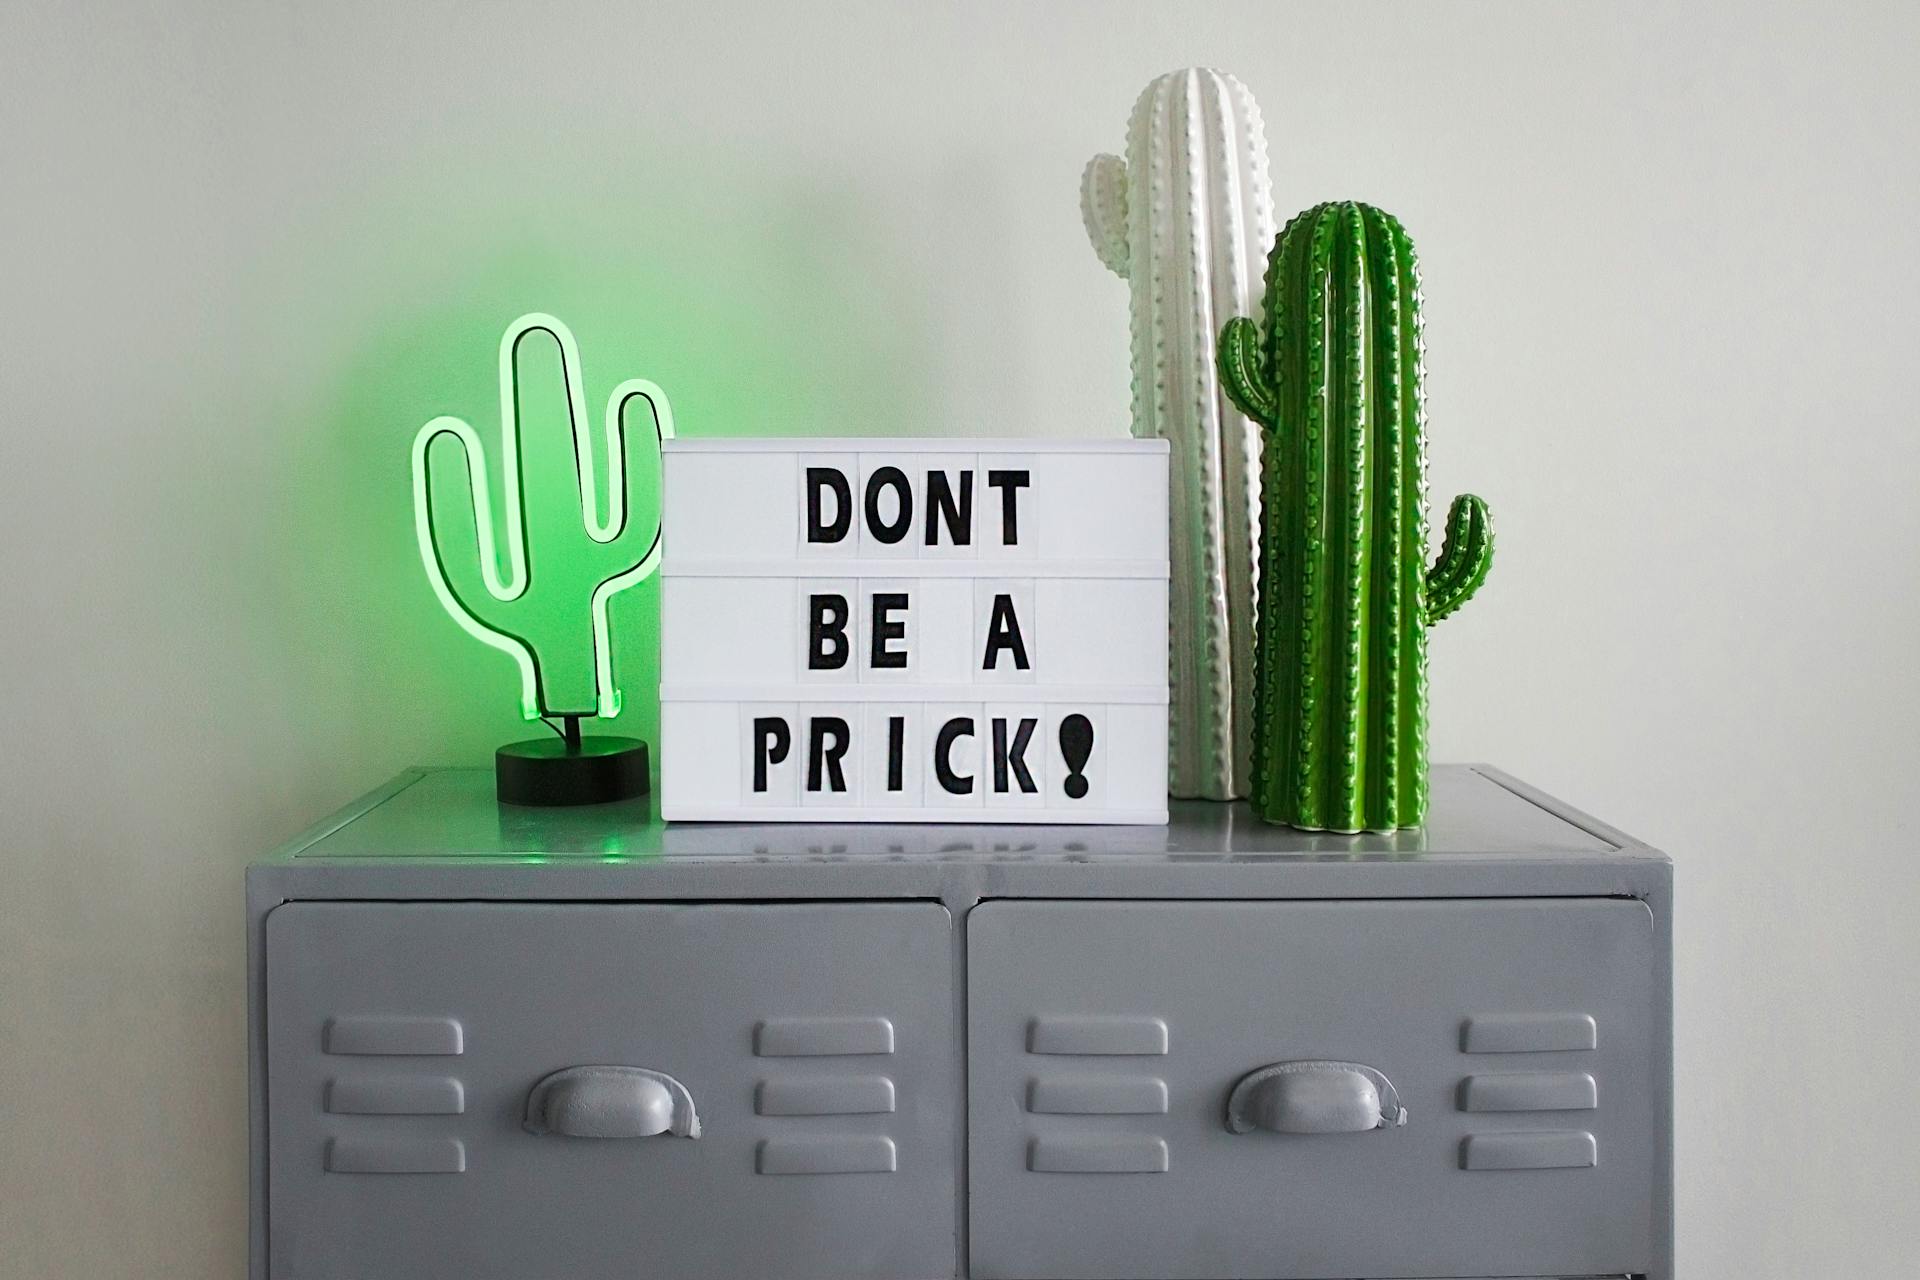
(1477, 814)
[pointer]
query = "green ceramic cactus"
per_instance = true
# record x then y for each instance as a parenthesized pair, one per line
(1340, 660)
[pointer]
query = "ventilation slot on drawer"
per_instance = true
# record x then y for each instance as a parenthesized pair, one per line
(1097, 1155)
(1098, 1036)
(1096, 1096)
(825, 1096)
(1543, 1150)
(386, 1034)
(1530, 1091)
(396, 1096)
(1528, 1033)
(825, 1155)
(396, 1155)
(822, 1037)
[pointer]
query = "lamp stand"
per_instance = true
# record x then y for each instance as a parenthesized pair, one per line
(571, 769)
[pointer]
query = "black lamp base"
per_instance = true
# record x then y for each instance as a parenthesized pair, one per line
(585, 770)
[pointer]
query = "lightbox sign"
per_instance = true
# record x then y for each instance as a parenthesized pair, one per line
(914, 630)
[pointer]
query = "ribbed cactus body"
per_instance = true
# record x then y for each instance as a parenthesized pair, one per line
(1186, 218)
(1340, 734)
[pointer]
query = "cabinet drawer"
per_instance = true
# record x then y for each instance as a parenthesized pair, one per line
(814, 1044)
(1516, 1036)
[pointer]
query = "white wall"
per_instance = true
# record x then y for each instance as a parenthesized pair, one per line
(245, 250)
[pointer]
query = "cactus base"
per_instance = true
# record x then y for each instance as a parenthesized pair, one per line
(582, 770)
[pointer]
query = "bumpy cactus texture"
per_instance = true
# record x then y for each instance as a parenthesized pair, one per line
(1340, 714)
(539, 591)
(1185, 219)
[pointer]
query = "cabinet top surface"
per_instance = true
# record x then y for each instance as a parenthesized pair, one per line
(1477, 813)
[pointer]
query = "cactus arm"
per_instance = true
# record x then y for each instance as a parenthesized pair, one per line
(629, 399)
(633, 392)
(501, 588)
(1103, 207)
(1243, 371)
(1465, 557)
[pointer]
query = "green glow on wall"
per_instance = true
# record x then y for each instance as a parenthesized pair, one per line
(545, 606)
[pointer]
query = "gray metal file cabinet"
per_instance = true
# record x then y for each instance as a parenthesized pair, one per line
(492, 1043)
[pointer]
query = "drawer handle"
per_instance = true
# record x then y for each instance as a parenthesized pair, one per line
(611, 1102)
(1314, 1097)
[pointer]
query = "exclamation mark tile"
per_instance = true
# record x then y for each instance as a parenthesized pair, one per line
(1076, 757)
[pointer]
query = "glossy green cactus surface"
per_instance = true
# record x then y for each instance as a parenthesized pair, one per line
(1340, 661)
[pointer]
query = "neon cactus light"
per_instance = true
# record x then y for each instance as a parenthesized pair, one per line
(538, 590)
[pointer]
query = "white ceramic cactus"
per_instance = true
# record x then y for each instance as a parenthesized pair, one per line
(1187, 219)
